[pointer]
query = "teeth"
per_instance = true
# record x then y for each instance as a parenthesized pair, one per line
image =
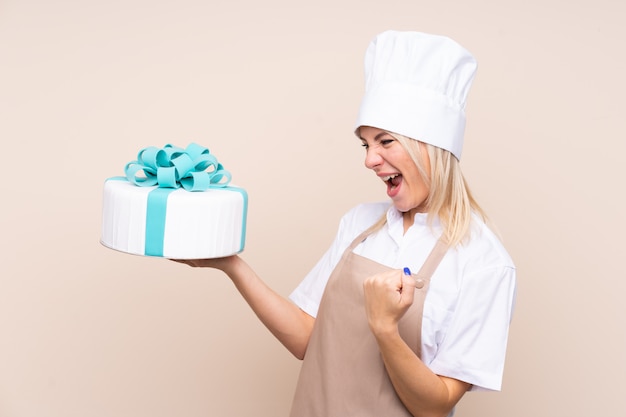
(388, 177)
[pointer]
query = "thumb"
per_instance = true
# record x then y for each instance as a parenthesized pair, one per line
(408, 288)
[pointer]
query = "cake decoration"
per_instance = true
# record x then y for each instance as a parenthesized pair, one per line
(194, 168)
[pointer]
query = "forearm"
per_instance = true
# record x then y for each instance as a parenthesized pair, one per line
(288, 323)
(423, 393)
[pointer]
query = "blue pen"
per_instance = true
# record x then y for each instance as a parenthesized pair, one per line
(407, 271)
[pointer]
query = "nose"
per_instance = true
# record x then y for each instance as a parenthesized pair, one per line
(372, 158)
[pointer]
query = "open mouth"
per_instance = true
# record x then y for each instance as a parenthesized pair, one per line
(392, 180)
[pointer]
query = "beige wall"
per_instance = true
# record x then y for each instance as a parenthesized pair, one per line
(272, 88)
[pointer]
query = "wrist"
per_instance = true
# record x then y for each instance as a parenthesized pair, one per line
(230, 265)
(385, 331)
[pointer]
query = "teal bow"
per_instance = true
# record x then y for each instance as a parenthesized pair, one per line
(193, 168)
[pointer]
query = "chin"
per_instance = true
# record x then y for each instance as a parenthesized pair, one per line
(409, 209)
(402, 208)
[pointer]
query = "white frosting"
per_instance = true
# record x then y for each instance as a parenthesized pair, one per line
(207, 224)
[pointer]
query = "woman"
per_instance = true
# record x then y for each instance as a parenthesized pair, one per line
(410, 306)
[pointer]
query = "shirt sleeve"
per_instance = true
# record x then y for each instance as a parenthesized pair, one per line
(474, 347)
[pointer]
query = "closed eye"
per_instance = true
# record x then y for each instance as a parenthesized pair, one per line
(380, 139)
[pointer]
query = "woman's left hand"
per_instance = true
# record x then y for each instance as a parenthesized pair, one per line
(388, 296)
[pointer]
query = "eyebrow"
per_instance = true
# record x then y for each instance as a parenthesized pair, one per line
(376, 138)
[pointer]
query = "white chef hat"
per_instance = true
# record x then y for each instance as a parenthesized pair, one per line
(416, 85)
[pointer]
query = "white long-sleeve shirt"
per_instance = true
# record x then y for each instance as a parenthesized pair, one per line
(470, 301)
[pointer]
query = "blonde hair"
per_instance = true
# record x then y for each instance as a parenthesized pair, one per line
(449, 196)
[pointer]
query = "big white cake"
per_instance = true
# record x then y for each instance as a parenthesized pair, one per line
(194, 214)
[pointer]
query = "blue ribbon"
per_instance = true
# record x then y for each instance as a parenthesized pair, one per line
(169, 168)
(193, 168)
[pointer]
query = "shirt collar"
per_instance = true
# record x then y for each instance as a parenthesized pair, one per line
(395, 223)
(394, 216)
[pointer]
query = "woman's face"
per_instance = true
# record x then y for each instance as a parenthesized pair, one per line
(394, 166)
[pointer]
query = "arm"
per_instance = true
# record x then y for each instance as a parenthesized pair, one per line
(424, 394)
(286, 321)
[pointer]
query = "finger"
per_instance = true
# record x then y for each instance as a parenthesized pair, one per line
(408, 282)
(187, 262)
(408, 289)
(406, 277)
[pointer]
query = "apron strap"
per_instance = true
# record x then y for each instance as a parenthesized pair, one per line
(432, 261)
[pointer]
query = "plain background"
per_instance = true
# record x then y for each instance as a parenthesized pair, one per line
(272, 88)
